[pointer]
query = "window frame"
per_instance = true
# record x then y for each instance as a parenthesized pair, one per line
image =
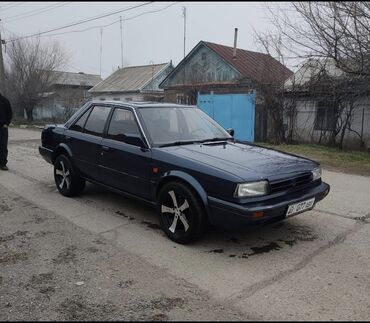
(89, 110)
(109, 121)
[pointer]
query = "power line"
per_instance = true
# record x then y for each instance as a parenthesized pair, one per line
(103, 26)
(153, 11)
(81, 30)
(11, 5)
(34, 12)
(81, 22)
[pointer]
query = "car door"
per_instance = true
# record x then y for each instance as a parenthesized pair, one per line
(84, 139)
(122, 165)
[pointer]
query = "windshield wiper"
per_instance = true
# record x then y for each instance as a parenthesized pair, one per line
(179, 143)
(217, 139)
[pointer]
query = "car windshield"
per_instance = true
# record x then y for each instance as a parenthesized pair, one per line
(180, 125)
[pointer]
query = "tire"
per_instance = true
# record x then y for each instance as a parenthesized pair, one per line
(186, 222)
(66, 180)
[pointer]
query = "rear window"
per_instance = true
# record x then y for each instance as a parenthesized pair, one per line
(79, 125)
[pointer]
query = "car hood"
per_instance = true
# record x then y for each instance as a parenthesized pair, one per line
(248, 162)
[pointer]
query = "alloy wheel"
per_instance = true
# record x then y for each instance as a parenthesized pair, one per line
(63, 176)
(175, 215)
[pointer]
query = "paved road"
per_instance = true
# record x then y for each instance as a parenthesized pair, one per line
(315, 266)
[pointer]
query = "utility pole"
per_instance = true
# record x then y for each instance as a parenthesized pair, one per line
(2, 72)
(101, 46)
(120, 21)
(152, 63)
(184, 16)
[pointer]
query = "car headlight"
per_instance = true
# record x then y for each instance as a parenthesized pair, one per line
(316, 173)
(252, 189)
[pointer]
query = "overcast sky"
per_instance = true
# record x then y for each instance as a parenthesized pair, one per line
(153, 37)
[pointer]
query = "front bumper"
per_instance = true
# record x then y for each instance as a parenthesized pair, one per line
(46, 153)
(231, 215)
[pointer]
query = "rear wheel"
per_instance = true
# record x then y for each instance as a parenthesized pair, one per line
(181, 214)
(67, 181)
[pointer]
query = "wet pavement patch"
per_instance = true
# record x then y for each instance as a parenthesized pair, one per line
(217, 251)
(12, 258)
(303, 233)
(99, 241)
(124, 215)
(77, 308)
(264, 249)
(41, 278)
(290, 242)
(4, 208)
(92, 250)
(167, 303)
(126, 283)
(47, 290)
(151, 225)
(66, 256)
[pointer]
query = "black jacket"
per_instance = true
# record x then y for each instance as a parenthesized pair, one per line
(5, 111)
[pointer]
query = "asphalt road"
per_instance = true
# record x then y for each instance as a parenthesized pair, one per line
(66, 258)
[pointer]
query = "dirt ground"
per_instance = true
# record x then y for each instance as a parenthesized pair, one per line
(53, 270)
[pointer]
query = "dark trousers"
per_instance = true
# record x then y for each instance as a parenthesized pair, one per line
(3, 146)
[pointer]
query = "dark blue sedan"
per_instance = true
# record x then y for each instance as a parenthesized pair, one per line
(182, 161)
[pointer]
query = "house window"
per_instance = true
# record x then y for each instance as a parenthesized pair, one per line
(204, 56)
(325, 117)
(102, 99)
(116, 99)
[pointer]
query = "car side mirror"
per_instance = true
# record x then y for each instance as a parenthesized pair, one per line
(231, 132)
(134, 140)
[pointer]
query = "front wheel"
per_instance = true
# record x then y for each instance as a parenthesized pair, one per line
(181, 215)
(67, 181)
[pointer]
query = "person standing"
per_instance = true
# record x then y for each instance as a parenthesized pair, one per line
(5, 118)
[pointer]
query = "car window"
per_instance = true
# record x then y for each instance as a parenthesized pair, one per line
(79, 125)
(171, 124)
(96, 121)
(122, 123)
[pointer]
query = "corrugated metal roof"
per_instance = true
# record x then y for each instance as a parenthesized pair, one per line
(129, 79)
(69, 78)
(257, 66)
(310, 70)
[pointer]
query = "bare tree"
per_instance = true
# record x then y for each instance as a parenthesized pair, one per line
(272, 89)
(335, 32)
(29, 72)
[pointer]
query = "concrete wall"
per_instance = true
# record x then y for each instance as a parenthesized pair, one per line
(305, 120)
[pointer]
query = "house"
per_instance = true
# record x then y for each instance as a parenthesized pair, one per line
(134, 83)
(219, 69)
(67, 92)
(329, 105)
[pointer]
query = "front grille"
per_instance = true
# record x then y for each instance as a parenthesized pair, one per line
(291, 183)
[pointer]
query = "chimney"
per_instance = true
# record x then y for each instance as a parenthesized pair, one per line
(235, 40)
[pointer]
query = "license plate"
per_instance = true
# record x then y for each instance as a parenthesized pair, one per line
(300, 207)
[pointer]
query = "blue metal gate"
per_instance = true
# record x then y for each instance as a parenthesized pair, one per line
(235, 111)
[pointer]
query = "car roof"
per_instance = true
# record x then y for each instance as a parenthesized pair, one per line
(148, 104)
